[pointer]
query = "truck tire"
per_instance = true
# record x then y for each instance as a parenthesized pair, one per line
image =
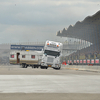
(59, 66)
(42, 67)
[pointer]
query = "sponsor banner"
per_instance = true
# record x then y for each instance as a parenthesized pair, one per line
(70, 61)
(88, 61)
(97, 61)
(26, 47)
(92, 61)
(80, 61)
(84, 61)
(74, 61)
(77, 61)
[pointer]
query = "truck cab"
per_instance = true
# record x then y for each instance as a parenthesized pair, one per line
(52, 54)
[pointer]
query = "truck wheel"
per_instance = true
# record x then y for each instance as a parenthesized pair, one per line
(59, 66)
(42, 67)
(46, 68)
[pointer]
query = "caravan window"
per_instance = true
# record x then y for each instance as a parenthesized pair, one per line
(23, 56)
(33, 56)
(12, 56)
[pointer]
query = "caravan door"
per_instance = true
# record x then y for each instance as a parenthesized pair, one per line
(18, 57)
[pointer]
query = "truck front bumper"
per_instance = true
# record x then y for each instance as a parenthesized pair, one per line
(50, 65)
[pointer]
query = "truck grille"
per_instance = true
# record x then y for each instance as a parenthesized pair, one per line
(49, 59)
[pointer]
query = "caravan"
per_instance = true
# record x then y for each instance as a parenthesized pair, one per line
(26, 58)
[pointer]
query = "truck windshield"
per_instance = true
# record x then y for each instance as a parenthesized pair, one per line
(52, 53)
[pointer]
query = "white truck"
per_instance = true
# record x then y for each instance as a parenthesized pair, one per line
(52, 54)
(26, 58)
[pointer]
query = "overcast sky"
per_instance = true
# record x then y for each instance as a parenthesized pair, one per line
(39, 20)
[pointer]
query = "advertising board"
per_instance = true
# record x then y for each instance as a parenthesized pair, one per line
(81, 61)
(97, 61)
(26, 47)
(77, 61)
(92, 61)
(74, 61)
(88, 61)
(84, 61)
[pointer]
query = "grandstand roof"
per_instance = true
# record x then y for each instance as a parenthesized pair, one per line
(88, 29)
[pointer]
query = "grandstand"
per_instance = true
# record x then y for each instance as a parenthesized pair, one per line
(87, 30)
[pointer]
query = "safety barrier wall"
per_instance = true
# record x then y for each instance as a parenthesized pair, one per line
(84, 62)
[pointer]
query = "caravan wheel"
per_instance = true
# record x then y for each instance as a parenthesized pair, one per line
(23, 65)
(26, 66)
(37, 66)
(32, 66)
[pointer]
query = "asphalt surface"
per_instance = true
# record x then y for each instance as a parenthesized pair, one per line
(35, 84)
